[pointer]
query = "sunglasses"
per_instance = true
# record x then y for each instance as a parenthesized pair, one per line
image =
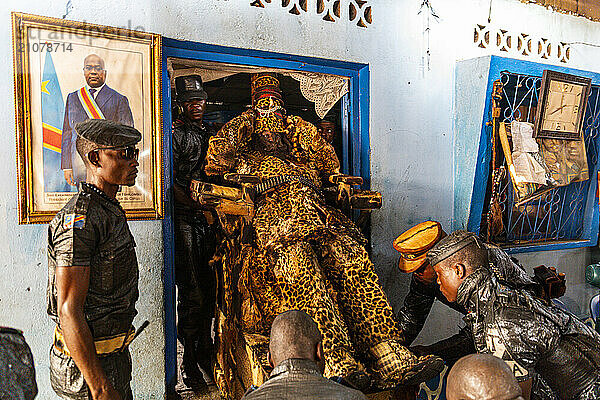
(128, 152)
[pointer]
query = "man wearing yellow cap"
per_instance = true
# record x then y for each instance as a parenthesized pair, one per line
(413, 246)
(306, 254)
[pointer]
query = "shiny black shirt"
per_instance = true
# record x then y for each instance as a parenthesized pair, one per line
(417, 305)
(419, 300)
(91, 231)
(190, 144)
(529, 335)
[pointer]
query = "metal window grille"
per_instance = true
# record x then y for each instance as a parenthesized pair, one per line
(558, 215)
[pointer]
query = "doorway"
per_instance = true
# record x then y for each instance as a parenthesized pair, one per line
(226, 75)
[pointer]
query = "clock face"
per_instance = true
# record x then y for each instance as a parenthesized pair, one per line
(562, 108)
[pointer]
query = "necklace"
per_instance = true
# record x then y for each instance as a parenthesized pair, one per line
(99, 192)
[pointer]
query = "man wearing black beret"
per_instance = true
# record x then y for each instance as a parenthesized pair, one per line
(93, 271)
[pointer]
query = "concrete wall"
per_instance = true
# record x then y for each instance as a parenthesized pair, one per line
(469, 104)
(412, 114)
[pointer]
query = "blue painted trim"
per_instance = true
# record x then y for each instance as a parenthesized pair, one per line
(591, 225)
(363, 112)
(550, 246)
(260, 62)
(168, 239)
(483, 161)
(592, 213)
(355, 142)
(253, 56)
(358, 131)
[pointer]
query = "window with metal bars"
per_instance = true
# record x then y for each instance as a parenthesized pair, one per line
(557, 215)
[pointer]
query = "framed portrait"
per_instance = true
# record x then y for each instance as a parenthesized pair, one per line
(66, 72)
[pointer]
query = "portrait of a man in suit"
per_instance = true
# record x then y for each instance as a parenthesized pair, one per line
(94, 100)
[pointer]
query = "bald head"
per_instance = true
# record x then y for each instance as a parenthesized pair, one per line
(294, 335)
(93, 58)
(482, 377)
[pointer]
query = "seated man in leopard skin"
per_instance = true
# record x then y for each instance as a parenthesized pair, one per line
(305, 254)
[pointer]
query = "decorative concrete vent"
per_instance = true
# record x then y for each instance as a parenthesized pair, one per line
(359, 11)
(489, 37)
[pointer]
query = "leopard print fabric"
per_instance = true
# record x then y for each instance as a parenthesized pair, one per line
(305, 254)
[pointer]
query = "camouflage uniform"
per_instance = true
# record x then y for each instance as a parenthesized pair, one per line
(413, 314)
(417, 305)
(91, 231)
(420, 298)
(17, 373)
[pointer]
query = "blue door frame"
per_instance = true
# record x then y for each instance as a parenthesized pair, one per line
(356, 104)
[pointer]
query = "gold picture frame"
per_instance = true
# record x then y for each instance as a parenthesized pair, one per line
(49, 57)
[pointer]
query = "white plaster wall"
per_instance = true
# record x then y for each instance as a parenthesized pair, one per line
(23, 265)
(411, 130)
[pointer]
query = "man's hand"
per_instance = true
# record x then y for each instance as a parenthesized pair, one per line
(109, 394)
(420, 350)
(345, 179)
(184, 198)
(69, 177)
(425, 274)
(526, 388)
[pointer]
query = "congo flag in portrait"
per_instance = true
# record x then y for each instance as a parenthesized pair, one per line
(53, 111)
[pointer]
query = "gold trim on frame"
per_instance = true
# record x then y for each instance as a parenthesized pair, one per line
(21, 23)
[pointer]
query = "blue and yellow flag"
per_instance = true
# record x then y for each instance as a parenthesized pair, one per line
(53, 112)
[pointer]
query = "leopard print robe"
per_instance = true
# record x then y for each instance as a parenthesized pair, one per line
(305, 254)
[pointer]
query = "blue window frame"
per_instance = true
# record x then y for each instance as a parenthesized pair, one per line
(567, 217)
(355, 130)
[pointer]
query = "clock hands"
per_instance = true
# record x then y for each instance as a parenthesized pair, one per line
(562, 101)
(559, 108)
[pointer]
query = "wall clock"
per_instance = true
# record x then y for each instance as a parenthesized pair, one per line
(561, 107)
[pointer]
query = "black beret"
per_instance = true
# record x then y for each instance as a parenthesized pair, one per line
(450, 245)
(108, 133)
(189, 87)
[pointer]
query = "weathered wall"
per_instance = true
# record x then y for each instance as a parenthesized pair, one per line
(412, 113)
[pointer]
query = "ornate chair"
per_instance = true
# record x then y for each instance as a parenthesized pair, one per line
(242, 326)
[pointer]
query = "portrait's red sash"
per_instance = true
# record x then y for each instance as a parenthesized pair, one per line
(89, 104)
(52, 137)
